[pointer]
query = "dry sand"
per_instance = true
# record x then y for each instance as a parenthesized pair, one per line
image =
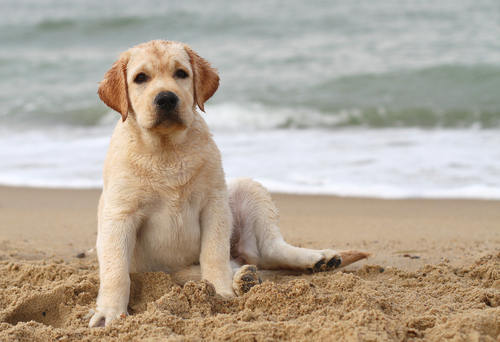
(435, 276)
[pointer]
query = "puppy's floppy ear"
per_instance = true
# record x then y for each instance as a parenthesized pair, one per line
(113, 88)
(205, 78)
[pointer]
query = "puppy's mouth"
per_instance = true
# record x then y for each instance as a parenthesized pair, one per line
(168, 118)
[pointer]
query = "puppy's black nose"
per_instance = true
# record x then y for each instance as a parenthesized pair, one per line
(166, 100)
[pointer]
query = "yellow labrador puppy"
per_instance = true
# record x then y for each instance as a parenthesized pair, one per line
(165, 204)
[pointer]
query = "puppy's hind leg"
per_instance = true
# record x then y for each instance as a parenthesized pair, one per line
(257, 239)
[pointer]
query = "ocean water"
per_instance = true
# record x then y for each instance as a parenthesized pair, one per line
(388, 99)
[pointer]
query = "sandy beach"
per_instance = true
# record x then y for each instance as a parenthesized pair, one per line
(435, 275)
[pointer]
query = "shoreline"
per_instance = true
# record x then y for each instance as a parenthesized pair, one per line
(404, 233)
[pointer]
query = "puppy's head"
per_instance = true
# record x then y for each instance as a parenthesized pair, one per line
(160, 83)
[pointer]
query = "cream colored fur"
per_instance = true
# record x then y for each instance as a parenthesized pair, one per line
(165, 205)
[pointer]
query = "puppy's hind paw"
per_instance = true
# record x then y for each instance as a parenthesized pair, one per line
(246, 278)
(325, 264)
(330, 260)
(334, 262)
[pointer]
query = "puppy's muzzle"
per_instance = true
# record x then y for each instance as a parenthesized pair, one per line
(166, 104)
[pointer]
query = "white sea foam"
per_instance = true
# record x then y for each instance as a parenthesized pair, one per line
(386, 163)
(389, 163)
(60, 157)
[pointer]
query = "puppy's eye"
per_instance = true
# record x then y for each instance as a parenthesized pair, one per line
(141, 78)
(181, 74)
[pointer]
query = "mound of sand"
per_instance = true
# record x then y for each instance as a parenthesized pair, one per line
(49, 301)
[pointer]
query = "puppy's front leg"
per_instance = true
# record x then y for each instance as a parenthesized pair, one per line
(115, 244)
(216, 227)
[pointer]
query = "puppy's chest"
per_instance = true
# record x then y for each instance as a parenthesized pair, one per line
(173, 195)
(166, 178)
(169, 170)
(174, 218)
(170, 236)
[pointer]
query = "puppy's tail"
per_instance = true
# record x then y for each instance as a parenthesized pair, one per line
(351, 256)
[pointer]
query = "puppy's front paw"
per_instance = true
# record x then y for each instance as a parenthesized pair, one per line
(104, 316)
(330, 260)
(246, 278)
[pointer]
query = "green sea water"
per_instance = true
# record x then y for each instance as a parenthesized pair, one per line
(357, 63)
